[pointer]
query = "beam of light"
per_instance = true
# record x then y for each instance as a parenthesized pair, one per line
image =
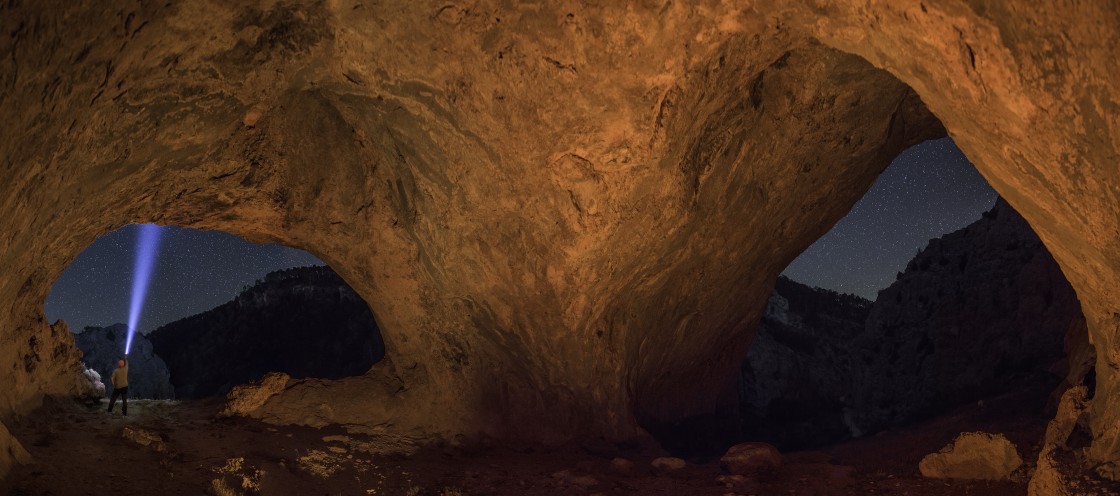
(147, 243)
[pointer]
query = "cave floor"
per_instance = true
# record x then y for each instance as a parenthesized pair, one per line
(83, 451)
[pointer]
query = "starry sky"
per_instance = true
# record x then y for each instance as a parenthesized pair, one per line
(194, 272)
(930, 190)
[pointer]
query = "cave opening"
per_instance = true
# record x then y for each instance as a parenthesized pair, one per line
(218, 312)
(861, 335)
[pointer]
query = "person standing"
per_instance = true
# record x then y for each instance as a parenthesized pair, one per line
(120, 386)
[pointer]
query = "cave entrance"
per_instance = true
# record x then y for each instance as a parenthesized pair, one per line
(218, 312)
(863, 335)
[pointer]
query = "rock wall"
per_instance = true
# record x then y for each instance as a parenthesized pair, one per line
(148, 376)
(511, 186)
(797, 382)
(978, 312)
(305, 322)
(490, 261)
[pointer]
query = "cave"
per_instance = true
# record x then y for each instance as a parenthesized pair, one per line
(208, 312)
(566, 218)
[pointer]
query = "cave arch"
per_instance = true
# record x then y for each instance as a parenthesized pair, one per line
(215, 312)
(537, 212)
(1011, 113)
(979, 312)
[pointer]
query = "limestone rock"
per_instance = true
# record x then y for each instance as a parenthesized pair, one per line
(1071, 414)
(1066, 473)
(148, 376)
(751, 459)
(1063, 466)
(668, 464)
(144, 438)
(12, 453)
(978, 312)
(246, 399)
(90, 385)
(973, 455)
(511, 185)
(238, 478)
(489, 260)
(1047, 480)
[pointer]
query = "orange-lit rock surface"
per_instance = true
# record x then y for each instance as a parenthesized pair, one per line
(565, 218)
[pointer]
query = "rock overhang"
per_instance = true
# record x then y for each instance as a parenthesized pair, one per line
(543, 206)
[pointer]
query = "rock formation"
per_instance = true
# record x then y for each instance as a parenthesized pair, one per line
(799, 376)
(973, 455)
(305, 322)
(148, 376)
(978, 312)
(543, 204)
(91, 388)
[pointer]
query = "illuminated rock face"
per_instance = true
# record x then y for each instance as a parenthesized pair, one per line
(566, 221)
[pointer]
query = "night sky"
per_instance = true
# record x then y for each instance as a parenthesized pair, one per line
(194, 272)
(930, 190)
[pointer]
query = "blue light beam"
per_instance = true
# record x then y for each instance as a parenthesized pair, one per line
(147, 244)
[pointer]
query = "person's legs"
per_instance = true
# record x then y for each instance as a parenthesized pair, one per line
(124, 400)
(113, 399)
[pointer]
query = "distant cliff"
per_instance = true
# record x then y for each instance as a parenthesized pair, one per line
(978, 312)
(306, 322)
(798, 376)
(148, 376)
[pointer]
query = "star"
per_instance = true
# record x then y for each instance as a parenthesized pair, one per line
(194, 272)
(930, 190)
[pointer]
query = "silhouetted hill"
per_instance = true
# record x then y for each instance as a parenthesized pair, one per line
(306, 322)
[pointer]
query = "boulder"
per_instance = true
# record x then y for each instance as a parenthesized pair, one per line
(973, 455)
(246, 399)
(751, 458)
(90, 385)
(144, 438)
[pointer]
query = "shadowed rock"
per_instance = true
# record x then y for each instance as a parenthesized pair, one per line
(978, 312)
(566, 220)
(304, 322)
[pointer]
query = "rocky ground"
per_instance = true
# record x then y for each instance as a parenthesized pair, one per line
(174, 448)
